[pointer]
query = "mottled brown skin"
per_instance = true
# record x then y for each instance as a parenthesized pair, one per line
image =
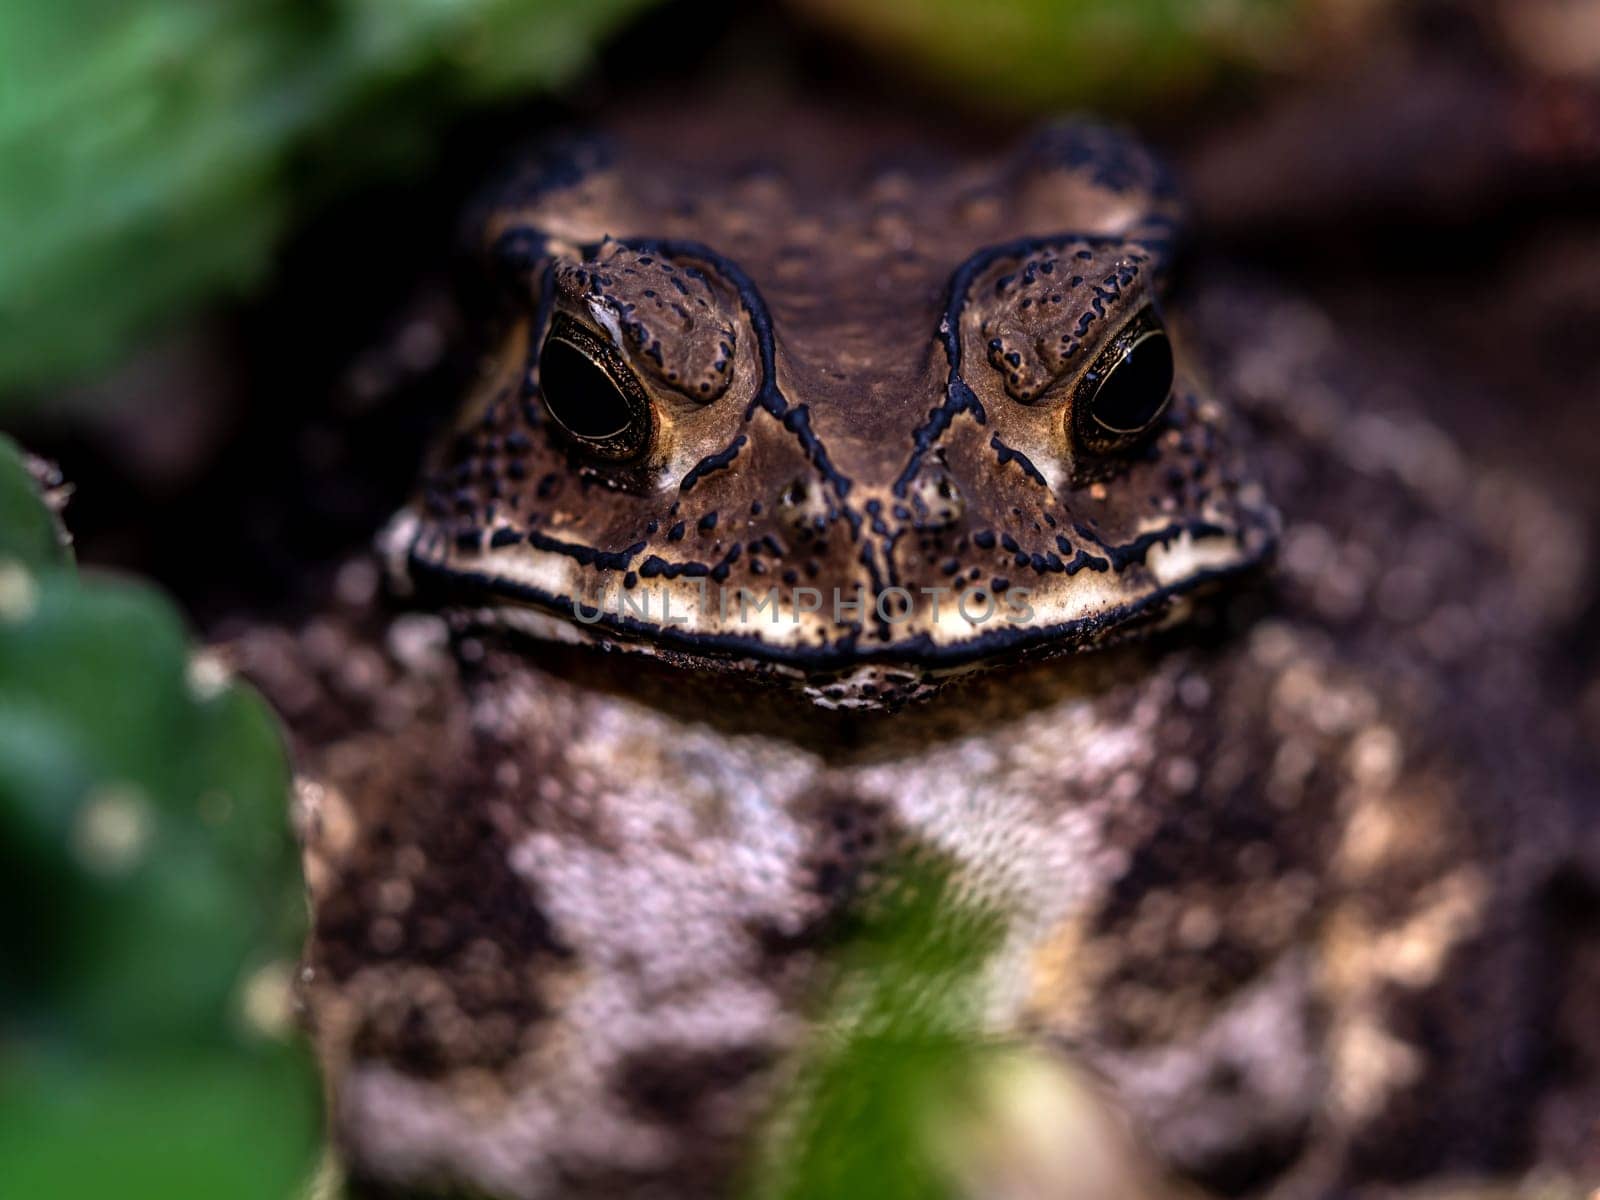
(1279, 874)
(852, 389)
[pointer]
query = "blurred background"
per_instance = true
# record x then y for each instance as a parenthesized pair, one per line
(228, 313)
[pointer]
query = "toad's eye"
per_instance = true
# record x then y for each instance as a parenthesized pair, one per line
(591, 394)
(1124, 394)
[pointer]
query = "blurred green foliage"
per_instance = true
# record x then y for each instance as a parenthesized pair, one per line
(1036, 55)
(895, 1055)
(151, 898)
(27, 528)
(153, 151)
(901, 1094)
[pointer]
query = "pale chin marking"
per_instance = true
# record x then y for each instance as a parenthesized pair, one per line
(1185, 557)
(394, 549)
(865, 687)
(541, 625)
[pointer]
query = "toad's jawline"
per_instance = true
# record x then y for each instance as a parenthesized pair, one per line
(920, 652)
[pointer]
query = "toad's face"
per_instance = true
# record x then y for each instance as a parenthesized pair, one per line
(859, 440)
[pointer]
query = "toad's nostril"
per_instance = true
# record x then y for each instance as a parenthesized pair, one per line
(802, 506)
(936, 501)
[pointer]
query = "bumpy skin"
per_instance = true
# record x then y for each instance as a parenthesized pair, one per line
(854, 390)
(1280, 875)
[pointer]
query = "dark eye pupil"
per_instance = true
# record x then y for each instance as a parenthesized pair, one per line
(579, 394)
(1131, 396)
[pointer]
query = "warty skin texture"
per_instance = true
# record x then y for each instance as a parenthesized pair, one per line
(1277, 872)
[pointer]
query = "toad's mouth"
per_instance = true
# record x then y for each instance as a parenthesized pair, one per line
(846, 645)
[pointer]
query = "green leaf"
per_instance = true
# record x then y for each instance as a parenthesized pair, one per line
(202, 1126)
(28, 531)
(901, 1095)
(144, 833)
(894, 1054)
(153, 153)
(1038, 55)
